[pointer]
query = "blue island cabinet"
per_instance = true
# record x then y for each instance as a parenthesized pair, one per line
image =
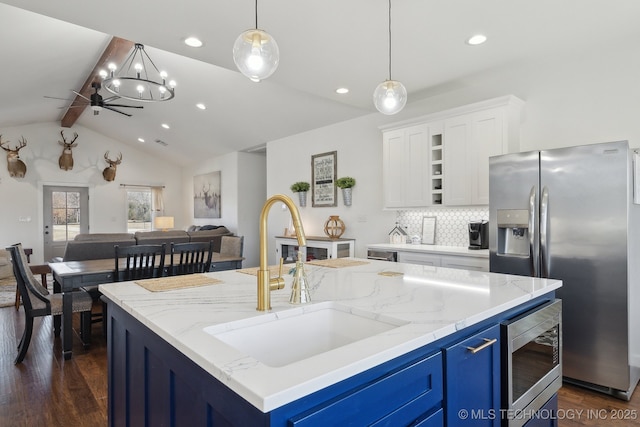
(151, 383)
(472, 387)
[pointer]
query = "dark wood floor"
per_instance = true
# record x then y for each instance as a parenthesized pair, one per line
(46, 390)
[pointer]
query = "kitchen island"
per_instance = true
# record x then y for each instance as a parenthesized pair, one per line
(164, 367)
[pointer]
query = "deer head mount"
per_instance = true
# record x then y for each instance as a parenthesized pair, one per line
(66, 158)
(211, 198)
(15, 166)
(109, 173)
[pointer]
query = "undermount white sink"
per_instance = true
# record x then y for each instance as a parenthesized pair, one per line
(280, 338)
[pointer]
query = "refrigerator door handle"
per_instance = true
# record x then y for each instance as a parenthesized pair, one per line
(533, 252)
(544, 233)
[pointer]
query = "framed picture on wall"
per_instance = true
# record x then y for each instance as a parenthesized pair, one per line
(323, 178)
(206, 195)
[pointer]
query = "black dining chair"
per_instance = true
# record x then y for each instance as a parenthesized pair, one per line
(189, 258)
(142, 262)
(38, 302)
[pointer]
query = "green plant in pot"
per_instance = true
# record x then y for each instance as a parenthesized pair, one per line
(346, 183)
(301, 188)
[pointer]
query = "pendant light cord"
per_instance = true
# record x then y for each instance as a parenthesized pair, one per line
(256, 14)
(389, 38)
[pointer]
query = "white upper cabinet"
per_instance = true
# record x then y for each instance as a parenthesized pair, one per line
(443, 158)
(405, 155)
(457, 157)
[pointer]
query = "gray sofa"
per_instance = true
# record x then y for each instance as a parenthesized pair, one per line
(95, 246)
(100, 245)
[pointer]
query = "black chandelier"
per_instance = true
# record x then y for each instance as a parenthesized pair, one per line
(138, 79)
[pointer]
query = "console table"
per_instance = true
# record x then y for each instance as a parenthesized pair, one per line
(317, 248)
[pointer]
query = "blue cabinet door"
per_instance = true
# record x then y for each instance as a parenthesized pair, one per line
(547, 416)
(472, 385)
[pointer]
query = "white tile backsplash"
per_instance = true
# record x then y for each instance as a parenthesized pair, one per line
(451, 222)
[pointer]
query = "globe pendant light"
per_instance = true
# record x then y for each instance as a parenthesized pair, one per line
(256, 53)
(390, 96)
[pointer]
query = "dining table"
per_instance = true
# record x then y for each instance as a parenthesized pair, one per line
(69, 276)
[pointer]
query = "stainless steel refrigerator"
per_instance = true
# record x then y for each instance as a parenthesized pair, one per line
(568, 214)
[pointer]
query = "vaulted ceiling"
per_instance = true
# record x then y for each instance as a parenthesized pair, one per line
(49, 48)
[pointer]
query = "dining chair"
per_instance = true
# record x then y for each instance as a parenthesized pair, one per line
(38, 302)
(232, 245)
(142, 262)
(189, 258)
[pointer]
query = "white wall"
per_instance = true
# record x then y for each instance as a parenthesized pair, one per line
(107, 203)
(252, 186)
(242, 195)
(359, 154)
(228, 167)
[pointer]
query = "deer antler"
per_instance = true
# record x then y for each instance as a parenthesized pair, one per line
(113, 162)
(2, 144)
(23, 143)
(64, 140)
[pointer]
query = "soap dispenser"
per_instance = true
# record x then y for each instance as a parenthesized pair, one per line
(300, 284)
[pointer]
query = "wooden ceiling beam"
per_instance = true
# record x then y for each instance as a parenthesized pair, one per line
(116, 52)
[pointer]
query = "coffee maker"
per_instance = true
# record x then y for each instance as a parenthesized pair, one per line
(479, 235)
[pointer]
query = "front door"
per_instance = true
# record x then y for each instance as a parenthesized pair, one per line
(66, 214)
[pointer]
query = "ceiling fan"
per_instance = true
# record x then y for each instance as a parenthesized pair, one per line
(97, 103)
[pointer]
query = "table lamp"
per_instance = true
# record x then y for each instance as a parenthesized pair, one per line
(163, 222)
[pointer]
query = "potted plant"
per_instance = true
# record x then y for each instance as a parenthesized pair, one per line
(301, 188)
(346, 183)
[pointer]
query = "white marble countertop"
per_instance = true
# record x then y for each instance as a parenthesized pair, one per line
(434, 301)
(435, 249)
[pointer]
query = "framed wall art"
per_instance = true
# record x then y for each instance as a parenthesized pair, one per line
(323, 177)
(206, 195)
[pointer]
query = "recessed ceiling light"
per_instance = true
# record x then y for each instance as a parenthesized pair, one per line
(342, 90)
(141, 140)
(476, 39)
(201, 106)
(166, 126)
(193, 42)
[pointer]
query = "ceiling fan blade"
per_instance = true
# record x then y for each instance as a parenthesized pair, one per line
(128, 106)
(80, 95)
(117, 111)
(55, 97)
(111, 98)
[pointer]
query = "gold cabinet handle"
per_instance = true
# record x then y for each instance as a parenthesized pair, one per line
(487, 343)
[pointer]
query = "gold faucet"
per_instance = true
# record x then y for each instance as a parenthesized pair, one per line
(265, 283)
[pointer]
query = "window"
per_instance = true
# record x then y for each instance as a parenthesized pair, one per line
(66, 215)
(139, 209)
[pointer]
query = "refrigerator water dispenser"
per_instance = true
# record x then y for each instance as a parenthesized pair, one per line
(513, 232)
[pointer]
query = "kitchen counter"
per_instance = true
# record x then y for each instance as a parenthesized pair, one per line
(434, 303)
(434, 249)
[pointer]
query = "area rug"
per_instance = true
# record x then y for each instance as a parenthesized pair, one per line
(7, 294)
(8, 290)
